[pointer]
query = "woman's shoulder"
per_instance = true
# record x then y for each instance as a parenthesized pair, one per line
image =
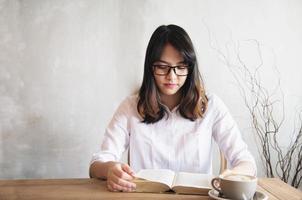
(131, 99)
(129, 103)
(213, 98)
(215, 102)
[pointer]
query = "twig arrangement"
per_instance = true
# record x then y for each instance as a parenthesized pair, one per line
(264, 108)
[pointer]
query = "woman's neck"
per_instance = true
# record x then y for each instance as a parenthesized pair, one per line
(171, 101)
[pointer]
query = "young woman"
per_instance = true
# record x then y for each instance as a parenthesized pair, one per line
(171, 122)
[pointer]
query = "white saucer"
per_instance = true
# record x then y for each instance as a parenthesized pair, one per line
(258, 195)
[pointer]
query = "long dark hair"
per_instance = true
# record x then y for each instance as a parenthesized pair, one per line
(193, 101)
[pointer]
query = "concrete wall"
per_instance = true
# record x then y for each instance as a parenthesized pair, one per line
(65, 66)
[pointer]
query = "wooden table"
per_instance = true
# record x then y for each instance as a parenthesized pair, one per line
(96, 189)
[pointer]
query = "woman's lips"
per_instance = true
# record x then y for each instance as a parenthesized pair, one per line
(170, 85)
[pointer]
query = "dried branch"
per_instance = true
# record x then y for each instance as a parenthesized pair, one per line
(262, 106)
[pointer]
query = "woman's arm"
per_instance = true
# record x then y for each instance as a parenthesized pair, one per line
(118, 175)
(226, 133)
(104, 163)
(99, 169)
(244, 167)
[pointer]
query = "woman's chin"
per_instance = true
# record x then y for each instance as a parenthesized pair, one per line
(169, 92)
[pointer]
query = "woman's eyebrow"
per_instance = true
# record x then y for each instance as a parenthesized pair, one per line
(181, 62)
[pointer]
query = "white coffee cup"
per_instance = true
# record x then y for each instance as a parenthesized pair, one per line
(236, 186)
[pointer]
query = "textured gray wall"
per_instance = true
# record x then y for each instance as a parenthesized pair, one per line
(65, 66)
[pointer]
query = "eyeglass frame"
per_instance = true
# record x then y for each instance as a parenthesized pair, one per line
(170, 67)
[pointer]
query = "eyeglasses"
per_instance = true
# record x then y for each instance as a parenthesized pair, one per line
(163, 70)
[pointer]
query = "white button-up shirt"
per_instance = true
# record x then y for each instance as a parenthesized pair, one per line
(173, 142)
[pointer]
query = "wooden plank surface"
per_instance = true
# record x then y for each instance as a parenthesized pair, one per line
(270, 196)
(96, 189)
(74, 189)
(279, 189)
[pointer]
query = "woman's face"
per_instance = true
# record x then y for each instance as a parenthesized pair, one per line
(170, 83)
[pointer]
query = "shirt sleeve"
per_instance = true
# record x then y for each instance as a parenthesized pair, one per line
(116, 137)
(228, 137)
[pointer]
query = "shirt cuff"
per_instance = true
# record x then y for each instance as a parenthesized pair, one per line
(103, 157)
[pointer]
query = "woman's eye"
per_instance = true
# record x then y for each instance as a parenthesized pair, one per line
(162, 66)
(181, 68)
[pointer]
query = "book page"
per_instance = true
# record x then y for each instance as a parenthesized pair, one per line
(193, 180)
(164, 176)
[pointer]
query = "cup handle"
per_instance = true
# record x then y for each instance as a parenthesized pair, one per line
(213, 183)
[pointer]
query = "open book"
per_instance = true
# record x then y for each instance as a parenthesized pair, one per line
(164, 180)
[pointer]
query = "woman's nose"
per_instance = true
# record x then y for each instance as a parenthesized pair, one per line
(171, 75)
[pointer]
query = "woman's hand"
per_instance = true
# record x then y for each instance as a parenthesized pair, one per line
(245, 168)
(119, 178)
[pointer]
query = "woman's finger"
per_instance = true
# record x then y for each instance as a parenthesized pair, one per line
(122, 182)
(122, 174)
(116, 187)
(127, 169)
(110, 187)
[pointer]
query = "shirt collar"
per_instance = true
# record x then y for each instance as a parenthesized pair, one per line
(174, 110)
